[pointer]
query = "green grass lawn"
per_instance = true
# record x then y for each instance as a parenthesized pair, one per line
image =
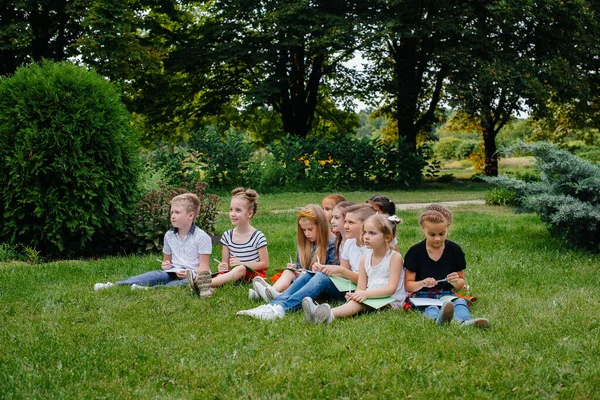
(60, 339)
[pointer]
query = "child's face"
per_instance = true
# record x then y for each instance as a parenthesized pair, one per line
(435, 233)
(337, 220)
(179, 217)
(309, 229)
(238, 211)
(352, 226)
(372, 237)
(327, 205)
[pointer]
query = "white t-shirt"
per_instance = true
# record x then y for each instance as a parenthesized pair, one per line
(186, 253)
(352, 252)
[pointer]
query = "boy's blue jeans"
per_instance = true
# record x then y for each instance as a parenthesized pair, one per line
(461, 309)
(307, 285)
(153, 278)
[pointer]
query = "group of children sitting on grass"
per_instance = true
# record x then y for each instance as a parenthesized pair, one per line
(346, 252)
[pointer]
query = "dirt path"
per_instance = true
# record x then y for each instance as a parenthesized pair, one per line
(411, 206)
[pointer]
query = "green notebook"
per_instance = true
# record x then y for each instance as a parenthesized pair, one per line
(346, 285)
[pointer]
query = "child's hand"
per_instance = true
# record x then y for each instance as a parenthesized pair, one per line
(330, 270)
(166, 265)
(291, 265)
(453, 278)
(429, 282)
(316, 267)
(234, 261)
(223, 267)
(181, 274)
(359, 296)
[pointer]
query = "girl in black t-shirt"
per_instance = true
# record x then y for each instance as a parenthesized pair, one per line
(435, 267)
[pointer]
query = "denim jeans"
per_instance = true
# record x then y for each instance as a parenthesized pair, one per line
(461, 309)
(153, 278)
(307, 285)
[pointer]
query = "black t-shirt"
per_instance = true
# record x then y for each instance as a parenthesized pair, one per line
(452, 260)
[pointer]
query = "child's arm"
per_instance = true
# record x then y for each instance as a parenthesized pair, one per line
(260, 265)
(394, 278)
(223, 266)
(343, 271)
(360, 294)
(167, 262)
(411, 285)
(457, 279)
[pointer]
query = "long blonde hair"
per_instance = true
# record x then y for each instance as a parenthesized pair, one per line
(315, 214)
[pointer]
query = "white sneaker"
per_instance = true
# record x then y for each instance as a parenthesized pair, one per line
(323, 314)
(253, 295)
(260, 286)
(271, 293)
(309, 306)
(268, 312)
(139, 287)
(251, 311)
(101, 286)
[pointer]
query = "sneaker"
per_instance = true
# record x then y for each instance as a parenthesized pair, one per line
(323, 314)
(102, 286)
(260, 286)
(251, 311)
(203, 281)
(253, 296)
(446, 313)
(309, 306)
(190, 275)
(268, 312)
(482, 323)
(139, 287)
(271, 293)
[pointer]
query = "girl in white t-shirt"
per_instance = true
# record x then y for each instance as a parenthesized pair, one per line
(380, 274)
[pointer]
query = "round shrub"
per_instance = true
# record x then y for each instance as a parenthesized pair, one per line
(465, 149)
(446, 148)
(69, 159)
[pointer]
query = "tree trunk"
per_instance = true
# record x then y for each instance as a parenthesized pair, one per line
(491, 155)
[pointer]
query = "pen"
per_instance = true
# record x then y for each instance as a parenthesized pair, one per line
(159, 260)
(291, 261)
(217, 261)
(442, 280)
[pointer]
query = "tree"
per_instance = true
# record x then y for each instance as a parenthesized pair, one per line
(411, 45)
(34, 29)
(279, 54)
(521, 55)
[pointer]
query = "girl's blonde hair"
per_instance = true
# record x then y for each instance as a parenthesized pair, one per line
(249, 195)
(315, 214)
(384, 225)
(435, 214)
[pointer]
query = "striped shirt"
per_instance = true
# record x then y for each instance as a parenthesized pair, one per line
(245, 252)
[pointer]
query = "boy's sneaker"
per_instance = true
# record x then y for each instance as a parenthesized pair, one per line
(139, 287)
(190, 275)
(323, 314)
(203, 281)
(482, 323)
(102, 286)
(253, 296)
(309, 306)
(271, 293)
(260, 286)
(267, 312)
(251, 311)
(446, 313)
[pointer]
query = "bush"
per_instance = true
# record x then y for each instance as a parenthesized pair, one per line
(151, 216)
(70, 160)
(567, 198)
(500, 197)
(446, 148)
(465, 149)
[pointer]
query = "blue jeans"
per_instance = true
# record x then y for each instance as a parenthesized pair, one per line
(153, 278)
(307, 285)
(461, 309)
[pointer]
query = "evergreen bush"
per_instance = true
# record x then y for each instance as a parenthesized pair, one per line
(69, 159)
(567, 197)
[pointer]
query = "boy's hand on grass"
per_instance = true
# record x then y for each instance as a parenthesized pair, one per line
(359, 296)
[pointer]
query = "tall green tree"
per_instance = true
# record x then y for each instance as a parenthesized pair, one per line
(34, 29)
(412, 45)
(522, 53)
